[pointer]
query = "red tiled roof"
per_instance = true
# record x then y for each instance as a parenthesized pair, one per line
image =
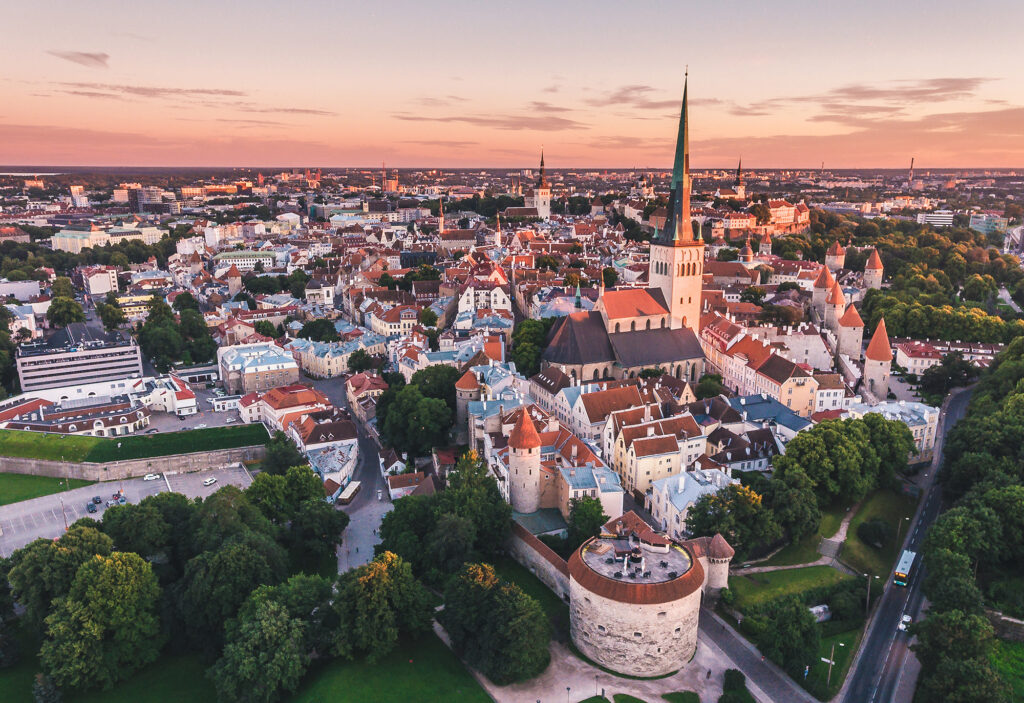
(878, 348)
(631, 302)
(851, 318)
(524, 434)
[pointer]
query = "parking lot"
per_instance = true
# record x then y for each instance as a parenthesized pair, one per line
(23, 522)
(204, 417)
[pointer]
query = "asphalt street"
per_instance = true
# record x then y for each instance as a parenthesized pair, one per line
(47, 516)
(883, 658)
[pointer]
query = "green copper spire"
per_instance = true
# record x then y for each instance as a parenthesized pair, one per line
(678, 225)
(579, 298)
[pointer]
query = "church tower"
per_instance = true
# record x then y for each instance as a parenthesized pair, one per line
(542, 192)
(739, 187)
(677, 256)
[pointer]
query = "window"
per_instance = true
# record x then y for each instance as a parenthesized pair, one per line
(601, 628)
(638, 634)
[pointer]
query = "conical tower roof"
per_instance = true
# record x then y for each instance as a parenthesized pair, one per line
(874, 262)
(878, 347)
(524, 433)
(824, 279)
(835, 296)
(678, 230)
(851, 318)
(467, 382)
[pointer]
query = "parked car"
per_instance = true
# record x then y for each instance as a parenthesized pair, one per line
(111, 503)
(210, 481)
(116, 495)
(151, 477)
(97, 500)
(904, 621)
(229, 420)
(201, 426)
(90, 507)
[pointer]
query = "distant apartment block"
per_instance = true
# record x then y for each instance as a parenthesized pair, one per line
(75, 353)
(939, 218)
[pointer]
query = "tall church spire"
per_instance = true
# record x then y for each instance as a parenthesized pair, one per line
(678, 227)
(739, 172)
(543, 182)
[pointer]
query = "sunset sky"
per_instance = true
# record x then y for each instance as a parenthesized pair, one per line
(465, 84)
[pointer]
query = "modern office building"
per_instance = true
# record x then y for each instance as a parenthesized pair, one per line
(75, 354)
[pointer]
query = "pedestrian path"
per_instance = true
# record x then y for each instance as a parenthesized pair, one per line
(828, 549)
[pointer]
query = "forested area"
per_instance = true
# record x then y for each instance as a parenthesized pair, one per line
(974, 552)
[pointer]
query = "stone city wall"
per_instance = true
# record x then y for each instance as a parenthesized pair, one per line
(1006, 628)
(129, 468)
(540, 559)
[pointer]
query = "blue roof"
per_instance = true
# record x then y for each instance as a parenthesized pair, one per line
(764, 408)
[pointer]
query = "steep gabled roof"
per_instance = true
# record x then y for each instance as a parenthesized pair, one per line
(524, 434)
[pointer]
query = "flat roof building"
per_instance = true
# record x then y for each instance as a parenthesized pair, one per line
(75, 353)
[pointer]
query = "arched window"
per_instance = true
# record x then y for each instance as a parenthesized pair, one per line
(663, 323)
(632, 326)
(648, 323)
(596, 376)
(616, 326)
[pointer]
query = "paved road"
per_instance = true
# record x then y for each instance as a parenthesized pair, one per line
(1004, 295)
(883, 657)
(45, 517)
(772, 681)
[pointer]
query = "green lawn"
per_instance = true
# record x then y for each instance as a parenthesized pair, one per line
(16, 681)
(626, 698)
(556, 609)
(845, 643)
(15, 488)
(759, 588)
(1008, 659)
(681, 697)
(423, 670)
(172, 678)
(806, 550)
(886, 505)
(37, 445)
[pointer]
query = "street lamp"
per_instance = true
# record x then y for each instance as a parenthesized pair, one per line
(867, 596)
(567, 689)
(899, 529)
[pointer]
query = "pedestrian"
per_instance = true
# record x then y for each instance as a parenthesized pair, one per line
(357, 552)
(709, 673)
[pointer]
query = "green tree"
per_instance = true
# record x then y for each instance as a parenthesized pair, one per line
(794, 504)
(315, 531)
(653, 372)
(951, 372)
(739, 514)
(428, 317)
(709, 386)
(107, 627)
(494, 626)
(44, 570)
(586, 518)
(320, 330)
(753, 294)
(377, 603)
(216, 584)
(360, 360)
(63, 311)
(786, 633)
(185, 301)
(450, 544)
(472, 493)
(727, 254)
(265, 657)
(437, 381)
(281, 454)
(112, 316)
(137, 528)
(414, 423)
(62, 288)
(954, 648)
(266, 328)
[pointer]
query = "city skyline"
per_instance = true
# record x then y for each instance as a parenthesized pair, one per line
(788, 86)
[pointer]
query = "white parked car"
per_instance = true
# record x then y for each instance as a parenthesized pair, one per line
(229, 420)
(151, 477)
(904, 621)
(201, 426)
(210, 481)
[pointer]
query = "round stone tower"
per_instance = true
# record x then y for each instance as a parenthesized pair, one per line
(720, 554)
(835, 257)
(524, 471)
(467, 389)
(878, 364)
(873, 270)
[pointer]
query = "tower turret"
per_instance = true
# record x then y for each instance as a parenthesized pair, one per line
(524, 464)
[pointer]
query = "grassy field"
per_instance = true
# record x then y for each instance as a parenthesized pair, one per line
(681, 697)
(557, 610)
(1008, 659)
(16, 681)
(760, 588)
(891, 507)
(172, 678)
(37, 445)
(806, 550)
(846, 644)
(626, 698)
(15, 488)
(423, 670)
